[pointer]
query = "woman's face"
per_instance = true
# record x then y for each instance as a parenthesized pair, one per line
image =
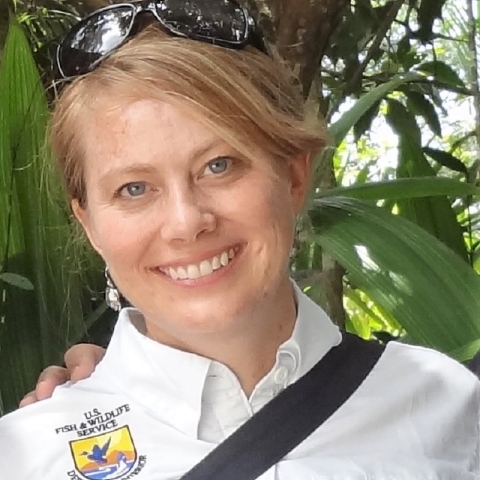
(195, 235)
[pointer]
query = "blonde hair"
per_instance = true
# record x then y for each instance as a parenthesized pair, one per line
(249, 99)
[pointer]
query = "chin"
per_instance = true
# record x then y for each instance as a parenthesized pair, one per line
(200, 316)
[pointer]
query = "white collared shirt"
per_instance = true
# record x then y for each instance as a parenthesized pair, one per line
(150, 412)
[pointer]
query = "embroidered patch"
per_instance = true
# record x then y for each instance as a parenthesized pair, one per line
(109, 456)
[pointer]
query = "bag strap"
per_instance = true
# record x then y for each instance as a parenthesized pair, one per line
(292, 416)
(474, 364)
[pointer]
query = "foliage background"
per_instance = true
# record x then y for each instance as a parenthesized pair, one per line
(390, 245)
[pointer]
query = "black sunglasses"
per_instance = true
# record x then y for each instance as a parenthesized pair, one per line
(219, 22)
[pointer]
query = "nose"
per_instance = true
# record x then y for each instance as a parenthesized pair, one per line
(186, 216)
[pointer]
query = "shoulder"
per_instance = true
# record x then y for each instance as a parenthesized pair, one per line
(36, 437)
(428, 362)
(423, 373)
(421, 404)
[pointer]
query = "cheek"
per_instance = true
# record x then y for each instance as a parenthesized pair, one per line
(122, 239)
(267, 209)
(275, 204)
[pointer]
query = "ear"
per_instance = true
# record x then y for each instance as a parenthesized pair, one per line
(300, 172)
(83, 217)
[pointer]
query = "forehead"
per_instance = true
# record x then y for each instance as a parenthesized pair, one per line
(118, 130)
(119, 118)
(145, 127)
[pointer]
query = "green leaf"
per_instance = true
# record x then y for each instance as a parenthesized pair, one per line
(404, 49)
(368, 322)
(466, 352)
(420, 105)
(17, 280)
(425, 286)
(460, 141)
(35, 233)
(418, 187)
(446, 159)
(365, 121)
(442, 72)
(346, 122)
(434, 214)
(402, 122)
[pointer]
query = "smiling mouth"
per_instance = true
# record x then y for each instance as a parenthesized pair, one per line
(201, 269)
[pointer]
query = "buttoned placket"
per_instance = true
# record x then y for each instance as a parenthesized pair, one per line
(225, 407)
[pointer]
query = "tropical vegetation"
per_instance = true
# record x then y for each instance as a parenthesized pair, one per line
(390, 243)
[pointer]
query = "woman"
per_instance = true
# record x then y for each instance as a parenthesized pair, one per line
(187, 159)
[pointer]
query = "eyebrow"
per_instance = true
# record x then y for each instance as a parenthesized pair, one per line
(138, 168)
(148, 169)
(201, 151)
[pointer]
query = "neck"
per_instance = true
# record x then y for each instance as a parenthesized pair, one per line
(250, 351)
(252, 354)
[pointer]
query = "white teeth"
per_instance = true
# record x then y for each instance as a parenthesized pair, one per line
(182, 273)
(216, 263)
(193, 271)
(202, 269)
(224, 259)
(205, 268)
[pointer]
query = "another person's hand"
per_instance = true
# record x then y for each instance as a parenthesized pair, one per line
(80, 361)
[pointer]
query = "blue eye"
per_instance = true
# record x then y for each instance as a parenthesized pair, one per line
(134, 189)
(218, 165)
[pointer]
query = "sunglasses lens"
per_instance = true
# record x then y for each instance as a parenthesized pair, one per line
(222, 20)
(94, 38)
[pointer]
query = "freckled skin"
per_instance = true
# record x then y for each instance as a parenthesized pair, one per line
(187, 210)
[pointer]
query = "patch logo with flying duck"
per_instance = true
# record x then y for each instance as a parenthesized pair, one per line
(110, 456)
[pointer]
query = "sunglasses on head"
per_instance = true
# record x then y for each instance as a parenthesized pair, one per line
(219, 22)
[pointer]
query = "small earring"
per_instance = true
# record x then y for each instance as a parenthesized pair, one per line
(112, 295)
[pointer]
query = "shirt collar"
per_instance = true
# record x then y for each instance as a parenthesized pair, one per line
(313, 336)
(166, 382)
(169, 383)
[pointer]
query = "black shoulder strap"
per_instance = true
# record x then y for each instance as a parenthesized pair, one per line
(292, 416)
(474, 364)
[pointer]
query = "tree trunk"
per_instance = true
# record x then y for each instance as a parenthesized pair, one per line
(302, 31)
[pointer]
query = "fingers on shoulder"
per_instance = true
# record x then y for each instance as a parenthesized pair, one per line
(82, 359)
(48, 380)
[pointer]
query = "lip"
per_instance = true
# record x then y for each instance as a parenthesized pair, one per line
(208, 279)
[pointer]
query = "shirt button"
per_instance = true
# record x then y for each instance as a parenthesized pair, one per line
(281, 375)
